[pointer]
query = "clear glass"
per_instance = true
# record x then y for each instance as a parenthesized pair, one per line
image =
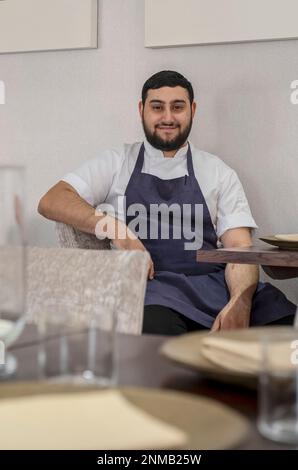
(12, 262)
(78, 344)
(278, 386)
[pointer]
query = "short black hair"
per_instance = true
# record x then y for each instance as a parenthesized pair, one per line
(167, 78)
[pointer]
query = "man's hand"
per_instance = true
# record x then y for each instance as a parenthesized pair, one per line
(121, 236)
(235, 315)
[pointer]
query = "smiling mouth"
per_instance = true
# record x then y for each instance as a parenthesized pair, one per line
(167, 128)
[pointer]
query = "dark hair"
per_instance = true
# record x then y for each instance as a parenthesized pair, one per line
(167, 78)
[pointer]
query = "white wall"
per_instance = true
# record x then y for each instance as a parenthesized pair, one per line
(63, 107)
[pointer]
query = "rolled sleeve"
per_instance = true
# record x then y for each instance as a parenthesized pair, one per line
(80, 186)
(94, 178)
(233, 208)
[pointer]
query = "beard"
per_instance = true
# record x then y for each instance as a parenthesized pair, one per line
(167, 145)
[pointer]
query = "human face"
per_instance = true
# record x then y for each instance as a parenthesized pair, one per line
(167, 117)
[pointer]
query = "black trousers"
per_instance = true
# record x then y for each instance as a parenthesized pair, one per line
(160, 320)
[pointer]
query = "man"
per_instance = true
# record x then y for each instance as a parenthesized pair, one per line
(167, 172)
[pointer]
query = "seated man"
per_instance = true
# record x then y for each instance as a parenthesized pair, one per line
(167, 181)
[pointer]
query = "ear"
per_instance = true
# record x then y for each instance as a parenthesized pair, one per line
(193, 108)
(141, 107)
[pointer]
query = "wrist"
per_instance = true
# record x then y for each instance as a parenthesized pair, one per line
(109, 227)
(91, 221)
(243, 299)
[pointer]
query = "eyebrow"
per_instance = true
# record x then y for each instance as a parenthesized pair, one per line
(163, 102)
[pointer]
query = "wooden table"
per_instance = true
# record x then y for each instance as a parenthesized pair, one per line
(141, 365)
(279, 264)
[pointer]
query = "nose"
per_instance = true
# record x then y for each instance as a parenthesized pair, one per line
(167, 117)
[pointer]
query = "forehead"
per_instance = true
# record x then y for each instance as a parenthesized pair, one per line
(168, 94)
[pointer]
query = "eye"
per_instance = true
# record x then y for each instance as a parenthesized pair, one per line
(178, 107)
(156, 107)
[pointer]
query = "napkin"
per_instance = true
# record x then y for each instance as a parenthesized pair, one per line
(85, 420)
(246, 356)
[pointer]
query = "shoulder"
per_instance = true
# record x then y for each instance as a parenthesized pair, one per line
(131, 150)
(132, 147)
(106, 162)
(112, 156)
(211, 166)
(130, 155)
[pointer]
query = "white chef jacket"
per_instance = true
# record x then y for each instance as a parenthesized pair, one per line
(104, 180)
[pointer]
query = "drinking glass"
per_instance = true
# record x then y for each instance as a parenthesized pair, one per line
(278, 386)
(78, 343)
(12, 263)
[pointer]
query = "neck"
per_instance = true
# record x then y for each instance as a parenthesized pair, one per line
(172, 153)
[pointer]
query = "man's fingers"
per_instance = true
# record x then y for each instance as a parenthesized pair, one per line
(151, 270)
(216, 325)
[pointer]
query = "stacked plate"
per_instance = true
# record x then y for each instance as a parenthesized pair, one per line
(228, 356)
(286, 241)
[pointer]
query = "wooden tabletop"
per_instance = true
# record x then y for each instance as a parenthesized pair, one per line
(250, 255)
(140, 364)
(279, 264)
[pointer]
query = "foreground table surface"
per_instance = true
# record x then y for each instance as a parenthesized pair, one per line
(140, 364)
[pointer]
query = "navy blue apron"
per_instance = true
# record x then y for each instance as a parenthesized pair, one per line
(195, 289)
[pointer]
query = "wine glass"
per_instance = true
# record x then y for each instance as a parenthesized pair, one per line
(12, 262)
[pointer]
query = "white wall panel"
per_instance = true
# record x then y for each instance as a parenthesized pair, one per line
(183, 22)
(33, 25)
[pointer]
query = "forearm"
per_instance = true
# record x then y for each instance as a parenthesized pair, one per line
(63, 204)
(242, 280)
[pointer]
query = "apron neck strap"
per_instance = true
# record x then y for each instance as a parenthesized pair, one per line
(140, 160)
(189, 162)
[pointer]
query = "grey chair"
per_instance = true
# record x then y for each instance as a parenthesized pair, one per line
(69, 237)
(82, 280)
